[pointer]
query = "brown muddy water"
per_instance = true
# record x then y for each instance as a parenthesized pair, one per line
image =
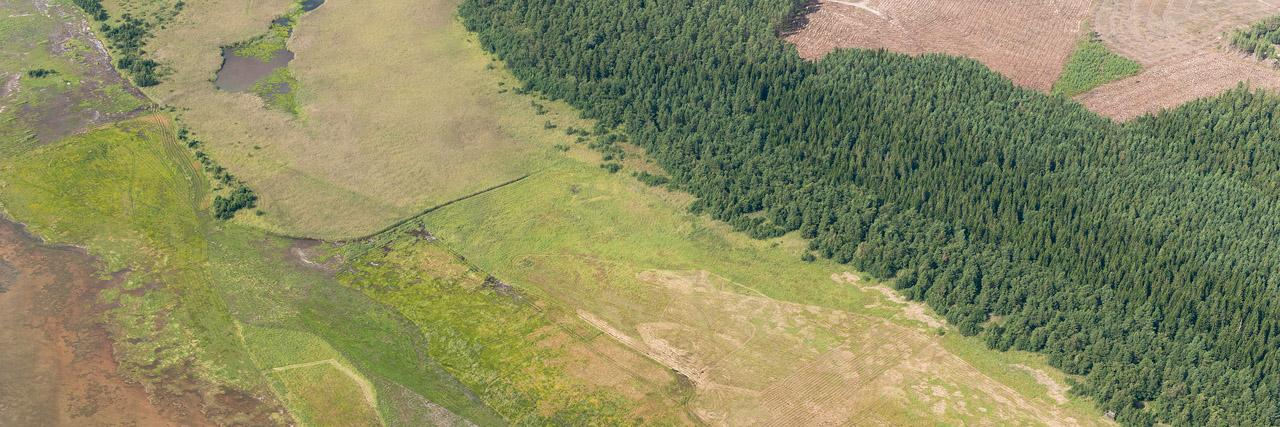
(240, 73)
(56, 365)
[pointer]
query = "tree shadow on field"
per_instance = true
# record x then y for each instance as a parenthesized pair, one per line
(797, 18)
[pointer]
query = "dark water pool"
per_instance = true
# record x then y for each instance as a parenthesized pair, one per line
(310, 5)
(239, 73)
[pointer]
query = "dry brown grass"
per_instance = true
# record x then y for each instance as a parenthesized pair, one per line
(1028, 42)
(399, 112)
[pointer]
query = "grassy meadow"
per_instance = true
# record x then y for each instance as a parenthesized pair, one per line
(525, 356)
(762, 336)
(397, 111)
(573, 296)
(316, 382)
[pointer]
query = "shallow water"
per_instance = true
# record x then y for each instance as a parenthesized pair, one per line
(239, 73)
(310, 5)
(56, 360)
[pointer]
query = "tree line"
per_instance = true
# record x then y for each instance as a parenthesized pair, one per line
(127, 38)
(239, 196)
(1143, 256)
(1259, 39)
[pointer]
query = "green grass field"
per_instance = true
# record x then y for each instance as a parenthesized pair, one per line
(311, 317)
(744, 320)
(608, 302)
(527, 358)
(316, 382)
(1093, 65)
(129, 194)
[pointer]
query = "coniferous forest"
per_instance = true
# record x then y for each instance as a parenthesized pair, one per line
(1143, 256)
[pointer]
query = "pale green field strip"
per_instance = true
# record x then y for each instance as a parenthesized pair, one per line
(621, 254)
(278, 350)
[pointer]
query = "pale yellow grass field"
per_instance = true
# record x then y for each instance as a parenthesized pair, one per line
(399, 112)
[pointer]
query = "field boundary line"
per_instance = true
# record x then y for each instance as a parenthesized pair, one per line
(365, 387)
(410, 218)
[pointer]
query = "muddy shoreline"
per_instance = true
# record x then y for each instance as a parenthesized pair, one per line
(59, 365)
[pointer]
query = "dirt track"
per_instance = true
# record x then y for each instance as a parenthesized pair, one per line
(995, 33)
(1180, 46)
(57, 358)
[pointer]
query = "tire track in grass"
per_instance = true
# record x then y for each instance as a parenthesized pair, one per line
(366, 388)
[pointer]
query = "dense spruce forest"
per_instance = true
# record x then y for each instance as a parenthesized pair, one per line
(1144, 256)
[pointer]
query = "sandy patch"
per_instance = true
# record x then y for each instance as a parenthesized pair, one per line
(1057, 391)
(753, 360)
(910, 309)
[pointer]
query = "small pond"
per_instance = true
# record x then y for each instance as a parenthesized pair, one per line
(310, 5)
(240, 73)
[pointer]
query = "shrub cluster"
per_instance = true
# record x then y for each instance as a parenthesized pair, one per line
(1259, 39)
(127, 39)
(239, 197)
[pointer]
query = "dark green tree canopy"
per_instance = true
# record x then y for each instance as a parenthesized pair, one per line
(1144, 256)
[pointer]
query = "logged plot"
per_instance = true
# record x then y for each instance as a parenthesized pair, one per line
(1183, 48)
(1028, 43)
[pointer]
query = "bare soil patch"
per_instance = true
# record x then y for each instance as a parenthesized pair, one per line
(913, 310)
(1183, 51)
(1057, 391)
(308, 254)
(10, 86)
(56, 353)
(1180, 44)
(1028, 42)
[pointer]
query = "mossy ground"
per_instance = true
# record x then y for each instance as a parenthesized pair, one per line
(523, 355)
